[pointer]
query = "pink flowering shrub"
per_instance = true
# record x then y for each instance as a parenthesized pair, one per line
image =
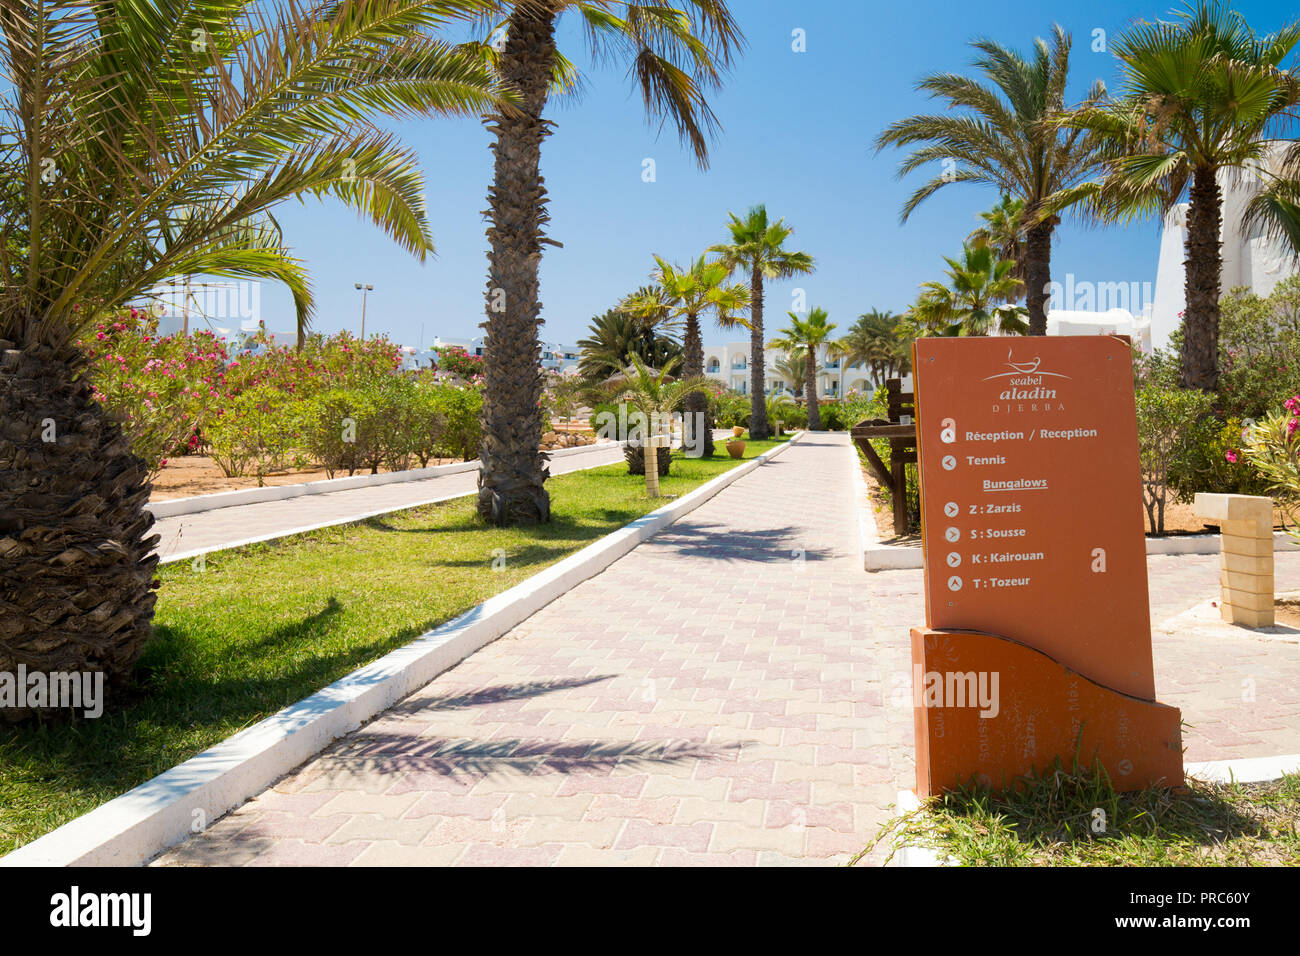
(456, 361)
(162, 388)
(339, 401)
(1272, 446)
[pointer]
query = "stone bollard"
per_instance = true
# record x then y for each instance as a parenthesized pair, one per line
(1245, 555)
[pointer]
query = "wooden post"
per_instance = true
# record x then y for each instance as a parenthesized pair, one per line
(900, 430)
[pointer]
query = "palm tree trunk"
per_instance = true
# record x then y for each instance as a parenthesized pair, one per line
(1038, 274)
(1203, 266)
(757, 363)
(512, 470)
(810, 389)
(76, 558)
(696, 406)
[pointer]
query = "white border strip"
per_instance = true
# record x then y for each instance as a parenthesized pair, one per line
(141, 823)
(196, 504)
(1244, 769)
(894, 557)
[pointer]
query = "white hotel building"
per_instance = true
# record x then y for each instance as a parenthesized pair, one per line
(729, 364)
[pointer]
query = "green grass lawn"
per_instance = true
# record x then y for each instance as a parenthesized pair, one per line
(261, 627)
(1076, 819)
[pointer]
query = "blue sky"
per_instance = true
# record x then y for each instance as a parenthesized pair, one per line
(797, 134)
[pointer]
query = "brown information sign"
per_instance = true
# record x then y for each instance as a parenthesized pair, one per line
(1033, 538)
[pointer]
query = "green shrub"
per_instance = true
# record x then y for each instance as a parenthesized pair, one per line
(729, 409)
(461, 408)
(1171, 423)
(783, 409)
(256, 432)
(1210, 463)
(329, 430)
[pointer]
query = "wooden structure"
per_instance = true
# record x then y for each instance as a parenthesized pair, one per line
(902, 447)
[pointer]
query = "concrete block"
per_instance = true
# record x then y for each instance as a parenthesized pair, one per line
(1219, 508)
(1247, 617)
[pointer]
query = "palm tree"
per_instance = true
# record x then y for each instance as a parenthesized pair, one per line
(973, 302)
(1005, 132)
(758, 246)
(656, 396)
(790, 368)
(677, 51)
(620, 333)
(143, 140)
(807, 335)
(1002, 227)
(1201, 95)
(874, 341)
(684, 294)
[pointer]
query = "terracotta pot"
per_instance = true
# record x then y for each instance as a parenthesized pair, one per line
(737, 430)
(735, 448)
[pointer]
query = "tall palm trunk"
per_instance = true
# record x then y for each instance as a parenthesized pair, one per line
(1204, 267)
(1038, 274)
(696, 406)
(76, 567)
(512, 470)
(810, 390)
(757, 363)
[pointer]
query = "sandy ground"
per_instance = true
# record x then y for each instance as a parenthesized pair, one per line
(199, 475)
(1287, 612)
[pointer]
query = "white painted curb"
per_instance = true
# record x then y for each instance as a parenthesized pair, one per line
(889, 557)
(251, 496)
(1244, 769)
(911, 854)
(141, 823)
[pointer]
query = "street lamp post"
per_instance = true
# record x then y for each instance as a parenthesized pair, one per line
(365, 288)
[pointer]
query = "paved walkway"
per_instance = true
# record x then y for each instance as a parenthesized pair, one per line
(734, 691)
(713, 697)
(209, 530)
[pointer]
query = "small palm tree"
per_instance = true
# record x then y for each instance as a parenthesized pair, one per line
(656, 396)
(1002, 227)
(874, 341)
(142, 140)
(618, 333)
(808, 335)
(790, 368)
(974, 300)
(678, 51)
(758, 246)
(1201, 94)
(1006, 132)
(683, 294)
